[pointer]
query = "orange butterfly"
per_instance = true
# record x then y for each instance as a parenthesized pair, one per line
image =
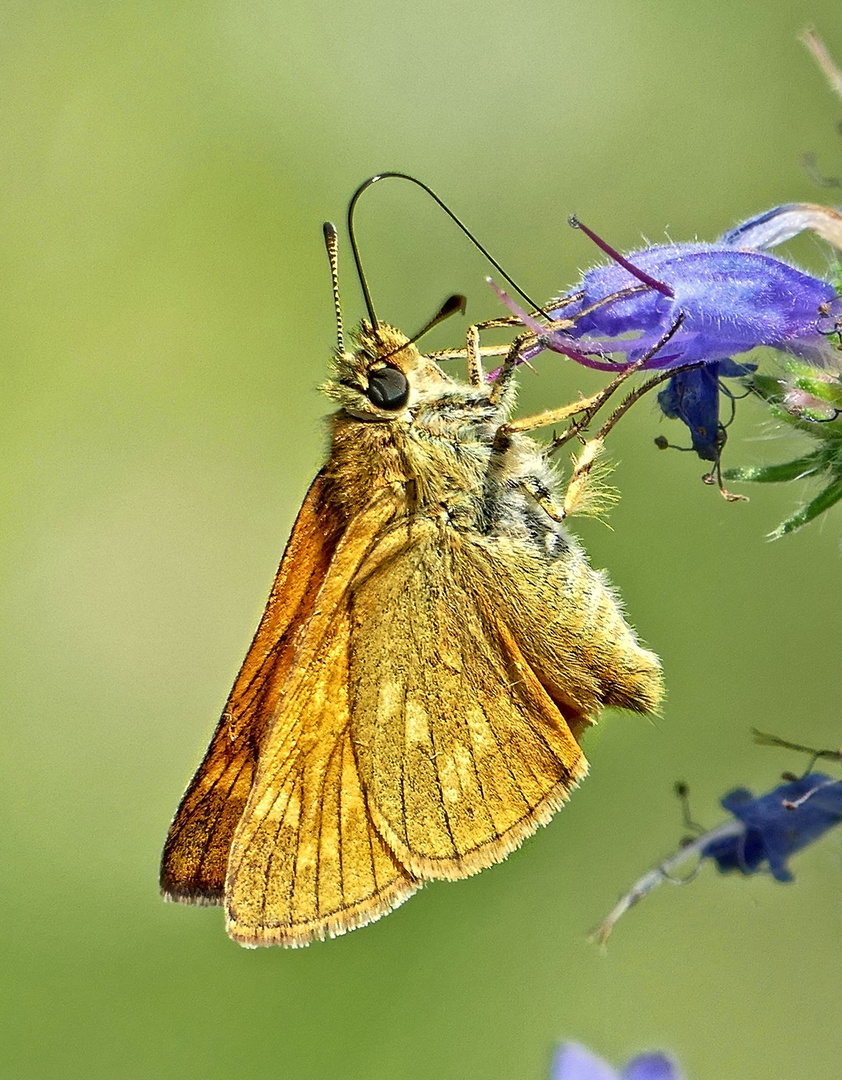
(433, 647)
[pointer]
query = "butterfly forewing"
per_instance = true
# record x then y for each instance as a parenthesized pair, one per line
(195, 857)
(306, 860)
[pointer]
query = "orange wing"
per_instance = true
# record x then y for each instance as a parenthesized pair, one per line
(306, 860)
(195, 856)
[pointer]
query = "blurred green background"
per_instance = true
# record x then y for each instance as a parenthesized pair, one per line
(166, 316)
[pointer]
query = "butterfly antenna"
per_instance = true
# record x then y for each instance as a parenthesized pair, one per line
(451, 305)
(332, 244)
(356, 251)
(439, 202)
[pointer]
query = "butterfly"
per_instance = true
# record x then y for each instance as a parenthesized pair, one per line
(433, 647)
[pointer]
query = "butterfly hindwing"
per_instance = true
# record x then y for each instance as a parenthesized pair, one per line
(462, 753)
(568, 623)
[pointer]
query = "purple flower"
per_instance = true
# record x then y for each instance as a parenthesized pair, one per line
(676, 304)
(776, 824)
(731, 300)
(574, 1062)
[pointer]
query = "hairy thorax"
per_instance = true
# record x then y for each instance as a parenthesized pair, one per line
(438, 462)
(433, 442)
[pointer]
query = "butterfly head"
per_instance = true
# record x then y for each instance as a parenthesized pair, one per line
(384, 377)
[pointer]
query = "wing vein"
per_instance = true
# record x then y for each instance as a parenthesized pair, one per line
(278, 827)
(340, 793)
(213, 822)
(437, 774)
(320, 803)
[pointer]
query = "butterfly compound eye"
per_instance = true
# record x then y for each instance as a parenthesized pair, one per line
(388, 388)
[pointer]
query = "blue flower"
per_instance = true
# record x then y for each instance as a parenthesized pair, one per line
(575, 1062)
(764, 830)
(776, 824)
(693, 397)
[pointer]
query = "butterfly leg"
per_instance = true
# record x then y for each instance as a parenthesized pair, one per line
(582, 494)
(473, 356)
(507, 370)
(590, 406)
(543, 498)
(473, 353)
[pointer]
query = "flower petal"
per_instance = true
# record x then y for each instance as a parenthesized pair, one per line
(782, 223)
(574, 1062)
(651, 1067)
(777, 824)
(693, 398)
(731, 300)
